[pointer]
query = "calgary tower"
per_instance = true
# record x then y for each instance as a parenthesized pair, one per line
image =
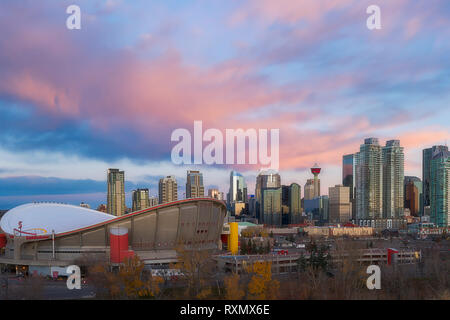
(315, 170)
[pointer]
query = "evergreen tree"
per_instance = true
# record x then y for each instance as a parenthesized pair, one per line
(302, 263)
(254, 249)
(244, 249)
(267, 247)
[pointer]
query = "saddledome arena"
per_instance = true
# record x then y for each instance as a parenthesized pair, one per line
(51, 234)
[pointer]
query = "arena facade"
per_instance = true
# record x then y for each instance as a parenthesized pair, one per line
(44, 234)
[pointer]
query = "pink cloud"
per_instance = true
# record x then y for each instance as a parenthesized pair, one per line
(61, 75)
(289, 11)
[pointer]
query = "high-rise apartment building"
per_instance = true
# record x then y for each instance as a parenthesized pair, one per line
(340, 207)
(440, 188)
(168, 189)
(426, 173)
(393, 179)
(116, 192)
(140, 199)
(194, 184)
(153, 201)
(369, 180)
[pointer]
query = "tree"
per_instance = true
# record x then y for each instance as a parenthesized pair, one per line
(131, 281)
(260, 249)
(197, 267)
(261, 285)
(136, 283)
(311, 246)
(302, 263)
(254, 248)
(244, 247)
(267, 249)
(233, 288)
(319, 258)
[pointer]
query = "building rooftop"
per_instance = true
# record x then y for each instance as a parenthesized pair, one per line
(42, 218)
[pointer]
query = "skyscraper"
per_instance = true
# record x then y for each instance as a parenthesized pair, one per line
(369, 180)
(348, 178)
(393, 179)
(426, 173)
(271, 206)
(194, 184)
(140, 199)
(265, 179)
(237, 193)
(285, 210)
(340, 207)
(412, 191)
(348, 173)
(153, 201)
(309, 189)
(238, 188)
(295, 203)
(317, 209)
(215, 194)
(168, 189)
(440, 188)
(116, 192)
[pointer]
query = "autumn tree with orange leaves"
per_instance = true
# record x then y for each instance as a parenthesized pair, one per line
(233, 288)
(197, 268)
(261, 285)
(131, 281)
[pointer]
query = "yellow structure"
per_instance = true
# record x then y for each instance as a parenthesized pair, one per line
(233, 238)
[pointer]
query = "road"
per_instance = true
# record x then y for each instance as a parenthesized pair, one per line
(12, 287)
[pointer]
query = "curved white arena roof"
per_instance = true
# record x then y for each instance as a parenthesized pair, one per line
(42, 218)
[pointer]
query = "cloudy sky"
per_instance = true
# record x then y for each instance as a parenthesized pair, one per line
(76, 102)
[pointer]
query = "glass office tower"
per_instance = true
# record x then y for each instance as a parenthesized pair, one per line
(393, 180)
(440, 187)
(369, 180)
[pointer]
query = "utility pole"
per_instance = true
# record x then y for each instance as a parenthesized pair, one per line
(53, 244)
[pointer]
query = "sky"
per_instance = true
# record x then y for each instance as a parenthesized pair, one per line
(74, 103)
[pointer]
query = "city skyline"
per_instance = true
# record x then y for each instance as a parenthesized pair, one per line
(65, 95)
(95, 199)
